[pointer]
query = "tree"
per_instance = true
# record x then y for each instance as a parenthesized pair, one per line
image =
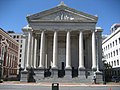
(107, 71)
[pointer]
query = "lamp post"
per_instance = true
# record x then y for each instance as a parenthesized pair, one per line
(104, 68)
(1, 69)
(99, 74)
(1, 64)
(97, 55)
(104, 81)
(3, 49)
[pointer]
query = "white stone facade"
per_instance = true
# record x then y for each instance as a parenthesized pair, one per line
(62, 39)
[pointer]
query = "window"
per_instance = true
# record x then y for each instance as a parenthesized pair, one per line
(110, 45)
(9, 44)
(116, 52)
(17, 40)
(118, 72)
(107, 56)
(20, 46)
(119, 40)
(14, 36)
(0, 37)
(20, 55)
(17, 36)
(21, 41)
(114, 63)
(106, 47)
(20, 60)
(117, 62)
(116, 42)
(20, 50)
(19, 65)
(113, 43)
(111, 54)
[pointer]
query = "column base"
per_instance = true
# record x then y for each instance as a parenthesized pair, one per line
(82, 68)
(39, 74)
(94, 68)
(54, 73)
(85, 76)
(68, 73)
(81, 73)
(99, 77)
(24, 76)
(40, 67)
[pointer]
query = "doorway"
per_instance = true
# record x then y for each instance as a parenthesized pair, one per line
(62, 65)
(61, 72)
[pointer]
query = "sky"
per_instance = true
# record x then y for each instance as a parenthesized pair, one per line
(13, 12)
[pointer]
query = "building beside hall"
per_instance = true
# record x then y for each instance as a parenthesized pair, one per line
(104, 37)
(8, 55)
(19, 37)
(62, 43)
(111, 49)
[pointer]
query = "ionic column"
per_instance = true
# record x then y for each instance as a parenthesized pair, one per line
(6, 59)
(93, 51)
(28, 49)
(55, 51)
(24, 52)
(35, 51)
(81, 51)
(32, 51)
(68, 51)
(42, 50)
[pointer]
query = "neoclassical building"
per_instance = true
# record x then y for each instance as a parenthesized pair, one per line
(62, 43)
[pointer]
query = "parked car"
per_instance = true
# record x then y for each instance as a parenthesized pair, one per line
(115, 79)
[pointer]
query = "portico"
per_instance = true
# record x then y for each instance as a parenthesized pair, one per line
(61, 40)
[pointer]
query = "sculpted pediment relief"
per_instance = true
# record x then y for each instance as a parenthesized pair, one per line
(64, 16)
(62, 13)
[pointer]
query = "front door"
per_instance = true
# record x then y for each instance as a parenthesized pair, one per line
(61, 58)
(63, 66)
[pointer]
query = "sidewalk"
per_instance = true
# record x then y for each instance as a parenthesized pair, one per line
(60, 84)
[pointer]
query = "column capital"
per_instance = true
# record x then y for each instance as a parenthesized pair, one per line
(68, 30)
(92, 31)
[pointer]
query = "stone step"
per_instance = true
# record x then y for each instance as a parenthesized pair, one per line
(64, 80)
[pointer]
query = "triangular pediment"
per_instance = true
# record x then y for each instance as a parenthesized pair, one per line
(62, 13)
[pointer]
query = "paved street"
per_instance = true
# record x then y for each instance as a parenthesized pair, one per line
(62, 87)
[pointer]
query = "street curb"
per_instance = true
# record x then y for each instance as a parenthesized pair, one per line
(50, 84)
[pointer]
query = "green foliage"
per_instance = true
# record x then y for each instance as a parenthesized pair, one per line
(107, 71)
(1, 80)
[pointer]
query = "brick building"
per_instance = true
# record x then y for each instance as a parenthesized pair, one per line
(8, 55)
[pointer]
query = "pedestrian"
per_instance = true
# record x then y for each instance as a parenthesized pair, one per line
(94, 79)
